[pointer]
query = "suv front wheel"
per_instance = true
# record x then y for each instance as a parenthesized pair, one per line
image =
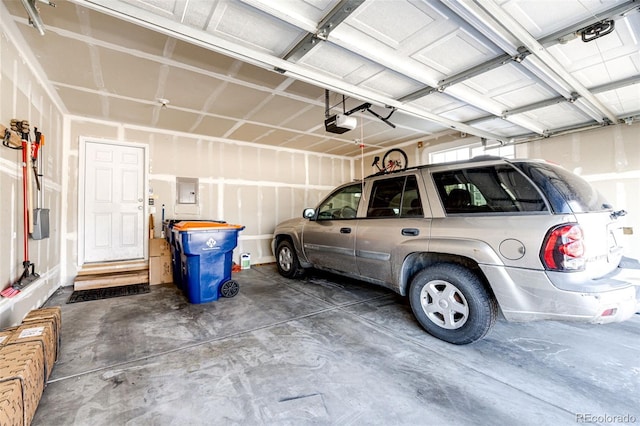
(287, 260)
(452, 304)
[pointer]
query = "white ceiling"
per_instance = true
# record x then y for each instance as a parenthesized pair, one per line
(256, 70)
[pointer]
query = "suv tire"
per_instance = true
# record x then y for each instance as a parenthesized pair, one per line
(452, 304)
(287, 260)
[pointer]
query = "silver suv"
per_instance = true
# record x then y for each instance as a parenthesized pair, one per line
(466, 240)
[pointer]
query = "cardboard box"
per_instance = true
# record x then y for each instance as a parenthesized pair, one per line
(4, 337)
(41, 333)
(24, 362)
(52, 315)
(11, 404)
(159, 247)
(160, 271)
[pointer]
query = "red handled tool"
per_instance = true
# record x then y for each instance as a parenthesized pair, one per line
(28, 275)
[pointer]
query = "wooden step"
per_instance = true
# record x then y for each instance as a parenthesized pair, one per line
(111, 267)
(111, 274)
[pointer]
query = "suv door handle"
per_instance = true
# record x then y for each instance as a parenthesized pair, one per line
(345, 230)
(411, 232)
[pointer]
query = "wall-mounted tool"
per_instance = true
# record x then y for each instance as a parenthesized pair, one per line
(21, 127)
(10, 139)
(40, 222)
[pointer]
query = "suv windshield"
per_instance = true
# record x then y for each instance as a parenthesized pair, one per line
(566, 192)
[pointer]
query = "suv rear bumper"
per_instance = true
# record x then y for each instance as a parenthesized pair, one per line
(529, 295)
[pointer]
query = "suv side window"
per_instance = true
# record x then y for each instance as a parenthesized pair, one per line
(395, 197)
(342, 204)
(500, 188)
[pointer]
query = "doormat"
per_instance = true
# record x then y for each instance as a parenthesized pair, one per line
(107, 293)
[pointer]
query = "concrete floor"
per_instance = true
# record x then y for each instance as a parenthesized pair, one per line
(325, 350)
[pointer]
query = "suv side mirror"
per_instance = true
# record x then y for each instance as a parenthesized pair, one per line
(308, 213)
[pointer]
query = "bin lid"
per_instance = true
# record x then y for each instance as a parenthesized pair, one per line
(187, 225)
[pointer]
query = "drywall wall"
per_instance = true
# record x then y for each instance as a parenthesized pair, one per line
(23, 97)
(241, 183)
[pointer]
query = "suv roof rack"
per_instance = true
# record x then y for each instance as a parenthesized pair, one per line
(424, 166)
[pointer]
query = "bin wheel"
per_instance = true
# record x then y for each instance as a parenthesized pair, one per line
(229, 288)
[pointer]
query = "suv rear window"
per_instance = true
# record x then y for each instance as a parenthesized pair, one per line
(491, 189)
(566, 192)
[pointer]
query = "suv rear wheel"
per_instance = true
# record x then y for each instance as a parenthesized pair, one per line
(452, 304)
(287, 260)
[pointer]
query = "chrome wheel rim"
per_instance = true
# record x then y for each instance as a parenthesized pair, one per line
(285, 259)
(444, 304)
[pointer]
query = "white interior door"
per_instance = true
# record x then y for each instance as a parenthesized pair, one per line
(113, 202)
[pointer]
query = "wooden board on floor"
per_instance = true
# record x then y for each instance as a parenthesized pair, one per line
(113, 267)
(87, 282)
(111, 274)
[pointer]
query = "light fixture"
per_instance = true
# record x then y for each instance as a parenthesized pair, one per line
(163, 102)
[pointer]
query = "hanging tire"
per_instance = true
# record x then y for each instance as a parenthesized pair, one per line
(229, 288)
(451, 303)
(287, 260)
(397, 156)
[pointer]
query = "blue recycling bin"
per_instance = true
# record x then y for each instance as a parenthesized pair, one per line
(175, 255)
(206, 250)
(172, 238)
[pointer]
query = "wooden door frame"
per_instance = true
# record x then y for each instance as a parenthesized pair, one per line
(81, 187)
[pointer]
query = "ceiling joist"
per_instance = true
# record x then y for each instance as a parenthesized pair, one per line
(482, 67)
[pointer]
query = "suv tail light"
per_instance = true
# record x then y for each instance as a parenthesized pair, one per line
(563, 248)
